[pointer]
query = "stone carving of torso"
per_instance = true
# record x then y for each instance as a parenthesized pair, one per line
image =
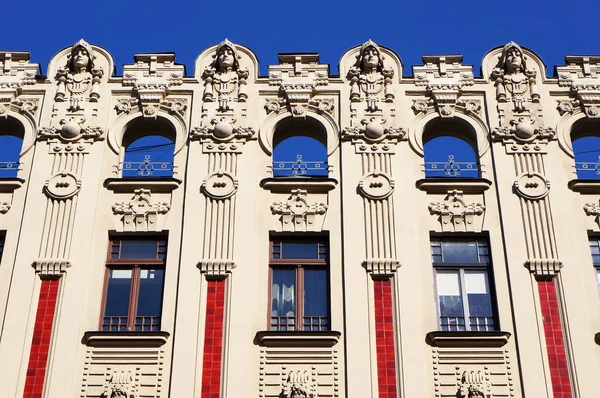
(371, 82)
(514, 82)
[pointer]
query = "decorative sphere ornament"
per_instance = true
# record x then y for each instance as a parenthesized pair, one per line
(71, 129)
(374, 130)
(223, 130)
(524, 130)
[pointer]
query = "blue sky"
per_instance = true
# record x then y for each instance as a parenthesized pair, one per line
(411, 28)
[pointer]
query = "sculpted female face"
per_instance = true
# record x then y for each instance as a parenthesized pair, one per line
(81, 58)
(514, 59)
(370, 58)
(225, 58)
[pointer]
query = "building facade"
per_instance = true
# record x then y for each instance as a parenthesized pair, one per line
(300, 234)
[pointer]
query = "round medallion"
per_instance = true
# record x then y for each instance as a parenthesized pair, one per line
(63, 185)
(220, 185)
(532, 186)
(374, 130)
(376, 185)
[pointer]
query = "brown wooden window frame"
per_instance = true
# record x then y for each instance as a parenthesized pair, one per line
(136, 265)
(299, 265)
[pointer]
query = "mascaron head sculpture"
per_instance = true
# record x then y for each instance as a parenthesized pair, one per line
(512, 59)
(81, 58)
(370, 58)
(226, 57)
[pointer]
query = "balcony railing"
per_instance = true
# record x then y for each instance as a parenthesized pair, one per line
(300, 168)
(588, 170)
(9, 169)
(146, 168)
(452, 168)
(476, 323)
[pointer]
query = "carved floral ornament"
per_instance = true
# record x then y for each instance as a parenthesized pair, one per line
(582, 76)
(455, 214)
(474, 384)
(141, 212)
(72, 129)
(172, 105)
(222, 130)
(299, 214)
(593, 209)
(299, 384)
(120, 385)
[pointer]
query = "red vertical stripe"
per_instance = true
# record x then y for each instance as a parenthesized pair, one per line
(384, 332)
(213, 340)
(40, 343)
(555, 344)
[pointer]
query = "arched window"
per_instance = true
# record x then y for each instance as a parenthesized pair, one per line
(149, 146)
(585, 136)
(450, 149)
(300, 149)
(11, 142)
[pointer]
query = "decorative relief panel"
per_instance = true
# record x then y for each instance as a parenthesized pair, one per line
(372, 98)
(582, 76)
(472, 373)
(109, 373)
(140, 213)
(443, 78)
(456, 215)
(299, 213)
(298, 77)
(16, 73)
(593, 209)
(522, 133)
(152, 77)
(299, 373)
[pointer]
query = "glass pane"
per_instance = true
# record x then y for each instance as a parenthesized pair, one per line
(315, 292)
(138, 249)
(460, 252)
(300, 250)
(478, 294)
(149, 156)
(118, 292)
(283, 301)
(151, 288)
(450, 300)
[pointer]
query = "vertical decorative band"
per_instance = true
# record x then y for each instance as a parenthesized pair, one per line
(555, 346)
(384, 332)
(40, 343)
(213, 339)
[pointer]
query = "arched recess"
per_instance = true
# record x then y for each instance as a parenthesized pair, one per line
(417, 127)
(117, 130)
(583, 141)
(564, 128)
(266, 131)
(29, 129)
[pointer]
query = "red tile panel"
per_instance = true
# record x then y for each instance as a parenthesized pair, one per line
(40, 343)
(384, 337)
(213, 340)
(555, 346)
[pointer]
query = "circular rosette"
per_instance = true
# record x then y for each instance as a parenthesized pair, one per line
(220, 185)
(62, 185)
(532, 186)
(376, 185)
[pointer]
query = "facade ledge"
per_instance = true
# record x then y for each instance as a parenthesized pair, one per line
(9, 185)
(270, 338)
(309, 184)
(129, 185)
(585, 186)
(467, 339)
(125, 339)
(443, 185)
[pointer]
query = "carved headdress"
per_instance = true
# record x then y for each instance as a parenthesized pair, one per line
(87, 47)
(507, 47)
(226, 43)
(369, 43)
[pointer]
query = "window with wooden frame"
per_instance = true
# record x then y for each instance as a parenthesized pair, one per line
(463, 280)
(299, 284)
(133, 285)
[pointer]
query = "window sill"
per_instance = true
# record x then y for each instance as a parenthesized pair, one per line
(270, 338)
(125, 339)
(585, 186)
(443, 185)
(129, 185)
(467, 339)
(310, 184)
(9, 185)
